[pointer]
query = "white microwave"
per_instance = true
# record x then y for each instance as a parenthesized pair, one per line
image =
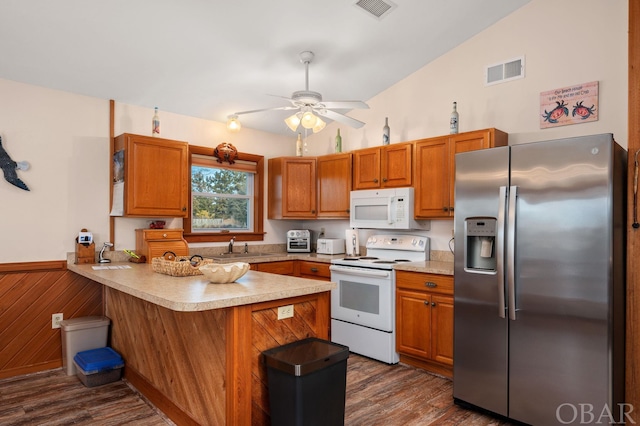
(389, 208)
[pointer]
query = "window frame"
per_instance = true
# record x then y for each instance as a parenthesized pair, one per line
(258, 202)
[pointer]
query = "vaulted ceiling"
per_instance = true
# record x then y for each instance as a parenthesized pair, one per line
(209, 58)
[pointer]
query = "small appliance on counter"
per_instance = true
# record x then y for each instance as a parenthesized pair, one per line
(352, 242)
(330, 246)
(299, 241)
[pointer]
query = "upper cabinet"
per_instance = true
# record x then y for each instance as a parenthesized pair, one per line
(292, 188)
(383, 166)
(309, 187)
(435, 168)
(155, 173)
(334, 185)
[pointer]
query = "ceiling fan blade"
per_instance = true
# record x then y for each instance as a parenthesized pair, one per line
(336, 116)
(265, 109)
(345, 104)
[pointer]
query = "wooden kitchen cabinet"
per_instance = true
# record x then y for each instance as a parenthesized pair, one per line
(286, 267)
(424, 321)
(292, 188)
(334, 185)
(435, 169)
(155, 173)
(314, 270)
(387, 166)
(155, 242)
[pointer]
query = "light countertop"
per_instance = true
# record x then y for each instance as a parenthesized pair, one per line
(196, 293)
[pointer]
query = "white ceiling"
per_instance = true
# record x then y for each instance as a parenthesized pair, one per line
(209, 59)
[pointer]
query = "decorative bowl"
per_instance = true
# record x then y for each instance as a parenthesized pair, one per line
(221, 273)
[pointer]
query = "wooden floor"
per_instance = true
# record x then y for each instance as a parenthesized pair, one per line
(377, 394)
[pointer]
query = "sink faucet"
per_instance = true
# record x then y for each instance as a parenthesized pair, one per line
(231, 244)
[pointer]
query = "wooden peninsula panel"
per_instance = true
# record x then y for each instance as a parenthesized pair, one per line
(206, 367)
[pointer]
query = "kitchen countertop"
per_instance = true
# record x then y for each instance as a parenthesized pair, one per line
(196, 293)
(427, 266)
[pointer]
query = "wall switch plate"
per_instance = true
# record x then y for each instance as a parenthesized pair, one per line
(285, 312)
(55, 320)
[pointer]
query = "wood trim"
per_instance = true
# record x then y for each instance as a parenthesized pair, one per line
(112, 219)
(50, 265)
(238, 408)
(632, 364)
(158, 398)
(432, 367)
(35, 368)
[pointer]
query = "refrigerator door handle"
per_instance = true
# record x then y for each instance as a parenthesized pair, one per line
(502, 205)
(511, 240)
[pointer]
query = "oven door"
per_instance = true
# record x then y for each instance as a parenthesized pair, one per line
(363, 296)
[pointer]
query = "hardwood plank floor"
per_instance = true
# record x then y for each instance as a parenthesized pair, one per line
(377, 394)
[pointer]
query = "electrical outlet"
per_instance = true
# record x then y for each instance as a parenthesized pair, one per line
(55, 320)
(285, 312)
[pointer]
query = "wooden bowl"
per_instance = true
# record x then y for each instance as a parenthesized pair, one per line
(220, 273)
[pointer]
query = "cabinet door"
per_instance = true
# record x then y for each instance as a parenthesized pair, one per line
(281, 268)
(366, 168)
(334, 185)
(442, 329)
(396, 170)
(413, 323)
(432, 162)
(292, 188)
(464, 142)
(156, 176)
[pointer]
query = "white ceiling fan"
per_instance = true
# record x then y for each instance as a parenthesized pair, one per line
(309, 106)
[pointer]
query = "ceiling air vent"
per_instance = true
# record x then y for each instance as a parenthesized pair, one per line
(376, 8)
(504, 71)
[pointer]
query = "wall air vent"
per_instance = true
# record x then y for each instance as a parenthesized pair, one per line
(376, 8)
(512, 69)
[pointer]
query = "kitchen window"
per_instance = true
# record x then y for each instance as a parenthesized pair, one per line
(226, 199)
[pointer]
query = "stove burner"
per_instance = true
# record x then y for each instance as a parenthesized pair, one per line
(368, 258)
(351, 258)
(402, 260)
(385, 261)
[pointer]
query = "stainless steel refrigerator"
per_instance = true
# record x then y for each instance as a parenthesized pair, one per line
(540, 280)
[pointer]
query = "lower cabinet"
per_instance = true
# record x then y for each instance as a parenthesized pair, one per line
(286, 267)
(424, 321)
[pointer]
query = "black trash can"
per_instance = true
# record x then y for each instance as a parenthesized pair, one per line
(307, 383)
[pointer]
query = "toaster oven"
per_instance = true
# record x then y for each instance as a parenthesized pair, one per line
(299, 241)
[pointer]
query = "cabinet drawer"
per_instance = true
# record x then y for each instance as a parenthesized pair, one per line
(162, 234)
(281, 268)
(315, 269)
(430, 282)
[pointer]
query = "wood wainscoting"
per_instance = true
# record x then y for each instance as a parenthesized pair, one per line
(30, 293)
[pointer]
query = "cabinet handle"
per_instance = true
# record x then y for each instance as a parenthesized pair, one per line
(184, 209)
(431, 284)
(433, 304)
(384, 179)
(426, 303)
(164, 235)
(451, 208)
(375, 181)
(313, 211)
(446, 209)
(348, 211)
(314, 269)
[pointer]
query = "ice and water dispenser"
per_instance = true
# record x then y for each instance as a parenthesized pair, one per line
(480, 255)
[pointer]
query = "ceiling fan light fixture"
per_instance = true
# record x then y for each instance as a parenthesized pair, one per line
(319, 125)
(308, 120)
(293, 121)
(233, 124)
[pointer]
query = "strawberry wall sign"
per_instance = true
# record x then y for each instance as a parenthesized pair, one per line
(569, 105)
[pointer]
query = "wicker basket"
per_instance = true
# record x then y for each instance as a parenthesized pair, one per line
(181, 267)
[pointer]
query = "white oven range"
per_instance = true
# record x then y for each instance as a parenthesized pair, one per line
(363, 304)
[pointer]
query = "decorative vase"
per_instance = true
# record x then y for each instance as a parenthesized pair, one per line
(386, 132)
(155, 123)
(453, 122)
(338, 142)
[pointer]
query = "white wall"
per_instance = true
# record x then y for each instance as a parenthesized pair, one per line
(65, 136)
(564, 43)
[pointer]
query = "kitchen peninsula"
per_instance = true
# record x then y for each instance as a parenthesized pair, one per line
(194, 348)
